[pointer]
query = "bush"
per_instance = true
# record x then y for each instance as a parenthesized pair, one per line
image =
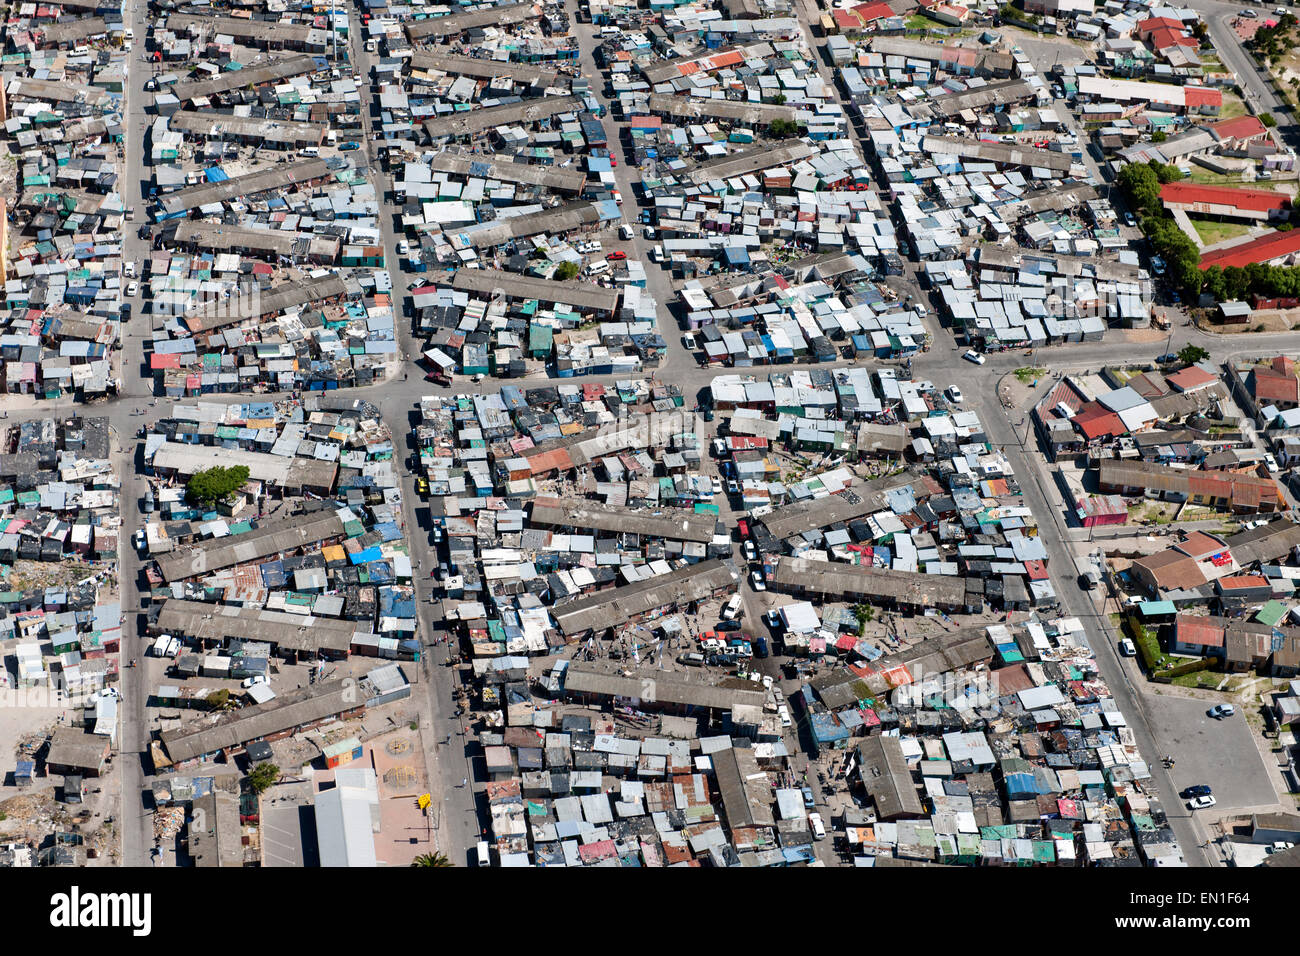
(215, 484)
(262, 776)
(1145, 641)
(783, 129)
(1267, 119)
(566, 270)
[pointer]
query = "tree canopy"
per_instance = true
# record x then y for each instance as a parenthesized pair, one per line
(215, 484)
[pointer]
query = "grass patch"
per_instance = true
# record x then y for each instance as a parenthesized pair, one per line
(1233, 106)
(918, 22)
(1213, 231)
(1028, 373)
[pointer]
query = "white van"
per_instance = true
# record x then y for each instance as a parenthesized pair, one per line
(598, 268)
(310, 151)
(732, 610)
(482, 854)
(818, 828)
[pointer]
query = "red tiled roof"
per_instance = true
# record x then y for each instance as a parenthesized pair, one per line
(873, 11)
(1240, 127)
(1202, 96)
(1197, 630)
(1095, 421)
(1163, 38)
(1189, 378)
(1200, 545)
(1272, 386)
(1266, 248)
(1250, 200)
(1243, 581)
(1155, 23)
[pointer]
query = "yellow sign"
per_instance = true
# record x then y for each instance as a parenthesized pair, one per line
(423, 801)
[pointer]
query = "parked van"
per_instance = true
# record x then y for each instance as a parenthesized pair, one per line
(733, 609)
(598, 268)
(482, 855)
(309, 151)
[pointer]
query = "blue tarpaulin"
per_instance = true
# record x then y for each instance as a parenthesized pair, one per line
(369, 554)
(216, 174)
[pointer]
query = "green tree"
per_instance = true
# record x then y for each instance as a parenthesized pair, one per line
(1191, 354)
(1141, 187)
(1159, 136)
(779, 99)
(566, 270)
(431, 859)
(1267, 119)
(218, 699)
(215, 484)
(262, 776)
(783, 129)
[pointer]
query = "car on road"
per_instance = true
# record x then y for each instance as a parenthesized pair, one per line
(749, 551)
(350, 145)
(818, 828)
(971, 355)
(132, 290)
(1167, 358)
(728, 626)
(756, 578)
(1198, 790)
(921, 310)
(1129, 220)
(139, 540)
(733, 486)
(253, 681)
(809, 801)
(142, 232)
(1278, 846)
(1248, 14)
(422, 487)
(691, 660)
(773, 618)
(760, 649)
(743, 527)
(688, 342)
(1219, 711)
(716, 483)
(1200, 803)
(618, 197)
(1127, 648)
(954, 395)
(618, 255)
(625, 231)
(648, 232)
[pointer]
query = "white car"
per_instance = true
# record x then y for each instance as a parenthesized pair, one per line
(253, 681)
(1127, 648)
(818, 828)
(132, 290)
(688, 342)
(1200, 803)
(971, 355)
(749, 550)
(717, 485)
(954, 394)
(403, 248)
(139, 540)
(625, 231)
(649, 232)
(921, 310)
(756, 577)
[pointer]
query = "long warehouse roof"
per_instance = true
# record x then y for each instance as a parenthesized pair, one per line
(469, 122)
(273, 537)
(249, 184)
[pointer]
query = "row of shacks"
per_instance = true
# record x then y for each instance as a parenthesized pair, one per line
(63, 266)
